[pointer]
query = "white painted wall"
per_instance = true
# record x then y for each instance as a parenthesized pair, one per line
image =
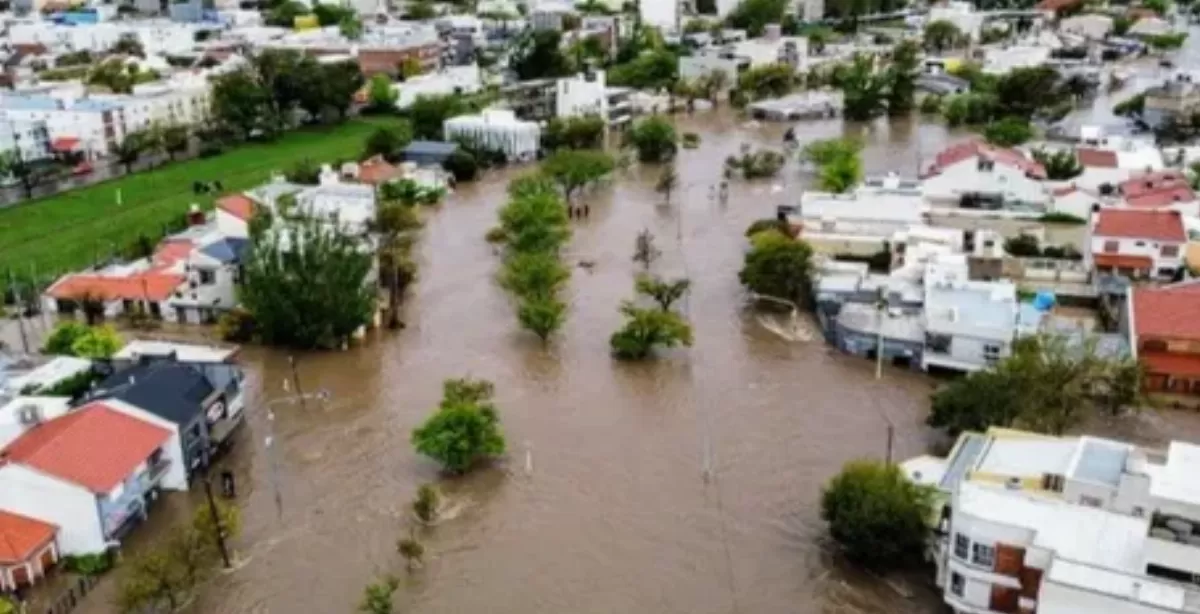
(1141, 247)
(1058, 599)
(231, 225)
(965, 177)
(72, 508)
(578, 95)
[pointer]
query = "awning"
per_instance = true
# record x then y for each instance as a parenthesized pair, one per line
(1122, 261)
(64, 144)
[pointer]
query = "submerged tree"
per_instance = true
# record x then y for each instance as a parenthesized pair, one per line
(664, 292)
(542, 315)
(1060, 165)
(377, 596)
(465, 429)
(645, 329)
(778, 265)
(574, 170)
(425, 505)
(306, 284)
(877, 516)
(654, 139)
(644, 250)
(838, 162)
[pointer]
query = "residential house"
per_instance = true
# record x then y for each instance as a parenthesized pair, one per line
(1091, 26)
(969, 325)
(706, 61)
(1076, 201)
(1064, 525)
(962, 14)
(975, 175)
(28, 548)
(1108, 161)
(1164, 190)
(772, 48)
(451, 80)
(428, 153)
(1174, 97)
(28, 138)
(232, 215)
(587, 94)
(860, 222)
(1137, 243)
(91, 473)
(202, 402)
(380, 49)
(1165, 334)
(1000, 60)
(1151, 26)
(498, 129)
(137, 350)
(190, 277)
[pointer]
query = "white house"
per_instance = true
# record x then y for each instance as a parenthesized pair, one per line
(89, 472)
(1065, 525)
(969, 325)
(498, 129)
(962, 14)
(1076, 201)
(707, 61)
(773, 48)
(1137, 243)
(863, 221)
(976, 174)
(457, 80)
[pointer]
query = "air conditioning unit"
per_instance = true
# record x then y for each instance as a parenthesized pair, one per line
(29, 415)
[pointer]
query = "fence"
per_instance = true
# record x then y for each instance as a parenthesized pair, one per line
(71, 597)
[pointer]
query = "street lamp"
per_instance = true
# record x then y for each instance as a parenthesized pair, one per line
(880, 309)
(269, 441)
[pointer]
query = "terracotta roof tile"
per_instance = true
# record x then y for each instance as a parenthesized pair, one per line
(21, 537)
(237, 205)
(1152, 182)
(1159, 225)
(971, 149)
(377, 170)
(1122, 261)
(1101, 158)
(170, 252)
(94, 446)
(1055, 5)
(152, 285)
(1161, 199)
(1168, 311)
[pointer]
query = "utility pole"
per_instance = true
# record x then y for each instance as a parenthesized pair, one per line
(12, 282)
(216, 519)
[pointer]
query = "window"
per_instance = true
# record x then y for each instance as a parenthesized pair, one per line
(961, 545)
(207, 276)
(1112, 247)
(1138, 511)
(958, 584)
(1090, 501)
(1052, 482)
(983, 554)
(1140, 244)
(1169, 251)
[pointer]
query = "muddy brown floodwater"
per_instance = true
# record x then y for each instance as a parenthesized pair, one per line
(689, 484)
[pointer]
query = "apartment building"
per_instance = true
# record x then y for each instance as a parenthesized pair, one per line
(92, 126)
(157, 36)
(587, 94)
(380, 50)
(1065, 525)
(30, 138)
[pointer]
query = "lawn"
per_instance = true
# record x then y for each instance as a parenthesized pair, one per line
(71, 230)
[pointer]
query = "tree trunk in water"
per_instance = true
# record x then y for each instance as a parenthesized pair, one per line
(394, 300)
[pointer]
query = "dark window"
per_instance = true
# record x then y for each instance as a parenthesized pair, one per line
(982, 554)
(961, 545)
(1170, 573)
(958, 584)
(208, 277)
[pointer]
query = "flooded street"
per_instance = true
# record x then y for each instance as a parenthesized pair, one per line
(689, 484)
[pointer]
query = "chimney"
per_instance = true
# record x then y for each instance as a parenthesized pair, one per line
(195, 217)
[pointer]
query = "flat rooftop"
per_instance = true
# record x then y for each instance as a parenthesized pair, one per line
(1027, 456)
(1099, 461)
(184, 352)
(1177, 478)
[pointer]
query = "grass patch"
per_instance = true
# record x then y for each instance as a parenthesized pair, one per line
(1061, 218)
(73, 229)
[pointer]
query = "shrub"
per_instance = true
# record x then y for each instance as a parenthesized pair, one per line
(88, 564)
(236, 326)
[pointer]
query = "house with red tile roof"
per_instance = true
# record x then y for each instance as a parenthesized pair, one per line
(28, 548)
(975, 174)
(1164, 332)
(90, 472)
(233, 213)
(1136, 243)
(1168, 189)
(190, 277)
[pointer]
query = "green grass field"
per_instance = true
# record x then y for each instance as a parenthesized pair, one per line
(68, 231)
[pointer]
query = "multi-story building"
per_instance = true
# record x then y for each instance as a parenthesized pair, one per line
(30, 138)
(382, 49)
(1065, 525)
(976, 175)
(1137, 243)
(157, 36)
(93, 126)
(587, 94)
(180, 100)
